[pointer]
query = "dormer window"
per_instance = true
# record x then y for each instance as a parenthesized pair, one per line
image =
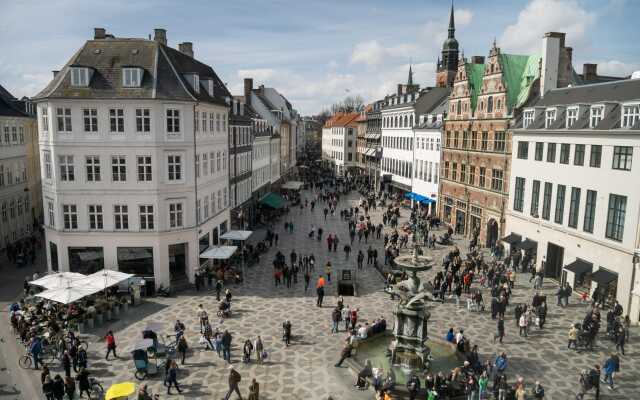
(131, 77)
(597, 113)
(194, 81)
(208, 85)
(527, 118)
(630, 115)
(549, 117)
(80, 76)
(572, 116)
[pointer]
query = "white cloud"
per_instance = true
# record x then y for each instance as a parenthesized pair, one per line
(370, 53)
(258, 74)
(463, 17)
(617, 68)
(541, 16)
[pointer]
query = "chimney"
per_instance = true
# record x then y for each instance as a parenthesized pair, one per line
(186, 48)
(55, 73)
(99, 33)
(551, 44)
(589, 72)
(477, 59)
(248, 87)
(160, 36)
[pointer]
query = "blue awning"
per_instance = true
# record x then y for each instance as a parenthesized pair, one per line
(419, 198)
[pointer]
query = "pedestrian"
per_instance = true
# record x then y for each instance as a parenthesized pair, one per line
(182, 347)
(66, 363)
(70, 387)
(203, 317)
(335, 319)
(320, 291)
(47, 388)
(346, 352)
(307, 280)
(523, 323)
(58, 388)
(172, 377)
(111, 345)
(286, 332)
(354, 317)
(226, 346)
(35, 348)
(413, 386)
(620, 340)
(327, 269)
(259, 350)
(500, 334)
(234, 380)
(609, 369)
(83, 382)
(538, 391)
(573, 337)
(218, 289)
(254, 388)
(247, 349)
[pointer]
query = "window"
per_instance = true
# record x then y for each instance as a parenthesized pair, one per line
(79, 76)
(463, 173)
(565, 149)
(496, 179)
(549, 118)
(447, 139)
(204, 121)
(93, 168)
(173, 120)
(146, 217)
(46, 155)
(597, 112)
(596, 155)
(95, 217)
(212, 169)
(615, 217)
(66, 168)
(45, 119)
(622, 156)
(225, 196)
(52, 214)
(490, 104)
(211, 122)
(474, 140)
(224, 161)
(143, 120)
(121, 217)
(197, 162)
(144, 169)
(175, 215)
(21, 134)
(198, 210)
(131, 77)
(527, 118)
(174, 165)
(630, 115)
(578, 155)
(70, 216)
(454, 171)
(90, 116)
(590, 211)
(465, 139)
(446, 170)
(572, 116)
(482, 179)
(118, 169)
(472, 175)
(459, 107)
(546, 200)
(116, 120)
(518, 198)
(535, 198)
(2, 176)
(559, 215)
(206, 207)
(574, 207)
(14, 135)
(539, 151)
(485, 141)
(551, 152)
(455, 139)
(196, 121)
(523, 150)
(63, 115)
(205, 164)
(7, 135)
(4, 211)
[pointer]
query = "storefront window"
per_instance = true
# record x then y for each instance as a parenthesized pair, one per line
(86, 260)
(136, 260)
(53, 249)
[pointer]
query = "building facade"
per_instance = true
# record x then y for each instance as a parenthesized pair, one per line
(574, 197)
(125, 129)
(373, 135)
(20, 188)
(241, 132)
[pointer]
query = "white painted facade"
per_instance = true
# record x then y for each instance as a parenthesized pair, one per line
(261, 164)
(397, 143)
(426, 161)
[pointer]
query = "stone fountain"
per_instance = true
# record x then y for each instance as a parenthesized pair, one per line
(408, 348)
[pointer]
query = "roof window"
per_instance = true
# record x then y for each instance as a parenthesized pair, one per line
(80, 76)
(132, 77)
(194, 81)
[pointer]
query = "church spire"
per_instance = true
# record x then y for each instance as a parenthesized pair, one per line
(410, 80)
(452, 25)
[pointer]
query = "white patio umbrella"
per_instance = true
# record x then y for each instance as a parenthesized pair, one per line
(58, 280)
(68, 294)
(219, 252)
(104, 279)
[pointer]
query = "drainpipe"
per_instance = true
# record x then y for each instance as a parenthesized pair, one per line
(195, 181)
(634, 271)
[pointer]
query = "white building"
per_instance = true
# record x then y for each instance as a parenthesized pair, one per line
(134, 150)
(575, 196)
(339, 142)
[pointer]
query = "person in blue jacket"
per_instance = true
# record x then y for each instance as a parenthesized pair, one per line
(35, 348)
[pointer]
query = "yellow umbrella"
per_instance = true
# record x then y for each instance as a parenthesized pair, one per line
(119, 390)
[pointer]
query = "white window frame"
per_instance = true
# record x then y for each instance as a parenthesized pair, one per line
(48, 171)
(63, 117)
(176, 215)
(96, 217)
(90, 119)
(44, 113)
(144, 167)
(116, 120)
(79, 76)
(67, 170)
(120, 217)
(131, 77)
(173, 122)
(527, 118)
(93, 169)
(175, 170)
(70, 217)
(596, 114)
(118, 168)
(572, 116)
(147, 220)
(630, 114)
(205, 164)
(143, 120)
(52, 213)
(550, 116)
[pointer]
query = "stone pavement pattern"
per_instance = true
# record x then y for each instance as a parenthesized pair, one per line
(305, 370)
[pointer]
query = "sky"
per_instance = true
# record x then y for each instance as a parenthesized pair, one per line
(316, 52)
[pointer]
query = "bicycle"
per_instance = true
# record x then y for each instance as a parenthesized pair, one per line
(95, 386)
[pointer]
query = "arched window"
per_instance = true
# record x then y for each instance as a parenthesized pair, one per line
(406, 122)
(395, 124)
(498, 104)
(411, 120)
(490, 104)
(459, 107)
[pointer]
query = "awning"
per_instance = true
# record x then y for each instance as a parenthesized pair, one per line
(236, 235)
(120, 391)
(292, 185)
(58, 280)
(419, 198)
(69, 294)
(603, 276)
(104, 279)
(579, 267)
(512, 238)
(273, 200)
(528, 244)
(219, 252)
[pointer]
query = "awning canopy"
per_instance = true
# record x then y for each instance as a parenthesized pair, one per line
(512, 238)
(104, 279)
(236, 235)
(292, 185)
(120, 391)
(68, 294)
(579, 267)
(58, 280)
(603, 276)
(528, 244)
(219, 252)
(273, 200)
(419, 198)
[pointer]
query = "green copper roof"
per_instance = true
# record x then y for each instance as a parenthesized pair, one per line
(474, 76)
(519, 73)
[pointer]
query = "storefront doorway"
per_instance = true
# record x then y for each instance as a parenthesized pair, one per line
(492, 233)
(178, 261)
(553, 265)
(460, 222)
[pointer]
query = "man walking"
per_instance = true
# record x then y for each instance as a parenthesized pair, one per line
(500, 334)
(226, 346)
(111, 345)
(320, 291)
(234, 380)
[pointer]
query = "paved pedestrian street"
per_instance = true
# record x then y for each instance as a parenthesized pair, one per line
(305, 370)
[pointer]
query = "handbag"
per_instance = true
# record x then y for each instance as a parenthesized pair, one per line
(264, 354)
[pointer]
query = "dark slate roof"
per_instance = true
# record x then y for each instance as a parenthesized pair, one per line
(264, 100)
(616, 91)
(9, 105)
(430, 99)
(163, 73)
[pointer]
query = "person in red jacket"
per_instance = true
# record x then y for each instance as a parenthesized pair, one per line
(354, 318)
(111, 345)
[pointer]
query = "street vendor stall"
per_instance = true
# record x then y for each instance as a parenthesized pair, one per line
(242, 237)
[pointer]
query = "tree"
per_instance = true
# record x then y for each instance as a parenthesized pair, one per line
(348, 105)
